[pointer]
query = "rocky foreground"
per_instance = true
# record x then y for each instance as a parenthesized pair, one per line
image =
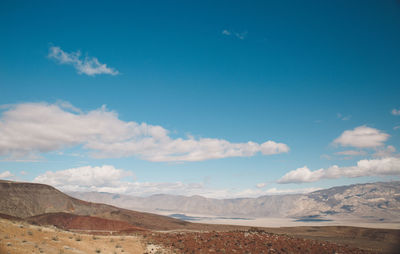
(251, 241)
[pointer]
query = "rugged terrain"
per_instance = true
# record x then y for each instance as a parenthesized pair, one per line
(40, 219)
(245, 242)
(18, 236)
(371, 201)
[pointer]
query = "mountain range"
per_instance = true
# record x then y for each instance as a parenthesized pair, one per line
(371, 201)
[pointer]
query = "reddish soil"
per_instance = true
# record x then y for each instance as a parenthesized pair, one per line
(244, 242)
(9, 217)
(252, 240)
(88, 223)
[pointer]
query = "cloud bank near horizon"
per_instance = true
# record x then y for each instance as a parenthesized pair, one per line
(109, 179)
(376, 167)
(29, 129)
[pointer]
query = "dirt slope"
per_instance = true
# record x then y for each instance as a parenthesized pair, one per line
(30, 199)
(23, 238)
(76, 222)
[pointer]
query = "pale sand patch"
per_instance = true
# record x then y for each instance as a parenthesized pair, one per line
(20, 237)
(286, 222)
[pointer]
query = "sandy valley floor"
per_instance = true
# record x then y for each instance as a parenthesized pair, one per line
(284, 222)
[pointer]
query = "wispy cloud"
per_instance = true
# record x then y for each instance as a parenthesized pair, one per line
(240, 36)
(388, 151)
(362, 137)
(342, 117)
(226, 32)
(84, 65)
(351, 153)
(276, 191)
(396, 112)
(31, 128)
(376, 167)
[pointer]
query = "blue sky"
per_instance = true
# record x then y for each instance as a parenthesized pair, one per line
(212, 76)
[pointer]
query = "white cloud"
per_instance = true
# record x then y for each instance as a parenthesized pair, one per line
(226, 32)
(31, 128)
(351, 153)
(240, 36)
(362, 137)
(6, 175)
(396, 112)
(87, 65)
(385, 152)
(302, 175)
(396, 127)
(376, 167)
(261, 185)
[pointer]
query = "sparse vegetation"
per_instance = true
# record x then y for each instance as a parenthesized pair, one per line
(58, 241)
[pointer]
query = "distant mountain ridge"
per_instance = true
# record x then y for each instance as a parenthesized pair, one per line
(371, 201)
